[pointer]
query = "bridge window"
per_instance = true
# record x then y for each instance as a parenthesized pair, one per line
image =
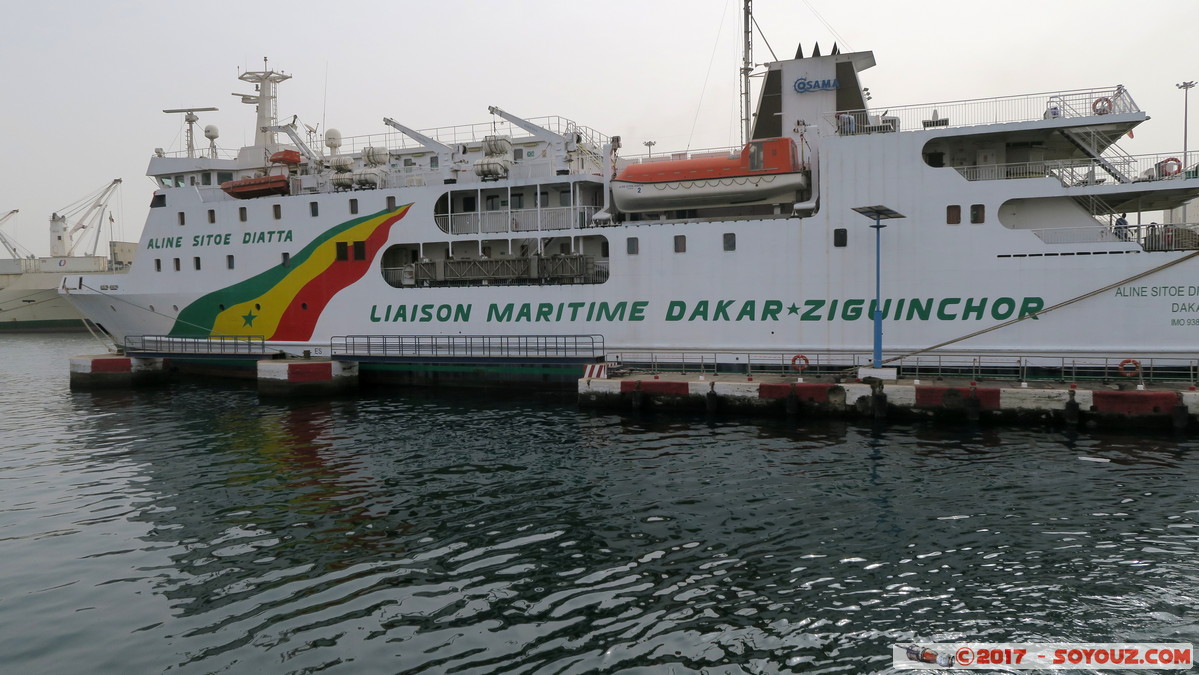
(205, 178)
(158, 200)
(224, 176)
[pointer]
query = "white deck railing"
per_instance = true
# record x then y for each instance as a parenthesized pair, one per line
(1138, 168)
(517, 220)
(1000, 110)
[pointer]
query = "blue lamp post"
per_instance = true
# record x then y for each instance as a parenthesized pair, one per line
(878, 213)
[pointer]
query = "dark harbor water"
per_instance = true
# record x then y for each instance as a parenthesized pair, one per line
(196, 530)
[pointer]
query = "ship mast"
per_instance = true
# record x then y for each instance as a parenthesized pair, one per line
(264, 84)
(747, 65)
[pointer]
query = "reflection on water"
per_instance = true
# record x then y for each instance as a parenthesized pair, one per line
(202, 531)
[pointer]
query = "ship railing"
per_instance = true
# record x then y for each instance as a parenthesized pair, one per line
(1151, 237)
(213, 345)
(973, 112)
(1082, 173)
(470, 133)
(1122, 369)
(469, 346)
(517, 220)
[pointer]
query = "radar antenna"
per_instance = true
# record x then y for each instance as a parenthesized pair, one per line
(189, 116)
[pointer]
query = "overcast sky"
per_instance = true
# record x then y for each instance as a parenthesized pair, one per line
(85, 82)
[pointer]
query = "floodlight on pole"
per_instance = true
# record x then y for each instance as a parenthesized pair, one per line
(878, 213)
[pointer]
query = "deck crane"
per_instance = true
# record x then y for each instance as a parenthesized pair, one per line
(4, 239)
(62, 236)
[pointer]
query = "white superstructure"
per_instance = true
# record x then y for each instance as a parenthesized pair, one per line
(1009, 245)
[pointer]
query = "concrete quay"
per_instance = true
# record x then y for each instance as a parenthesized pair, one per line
(1090, 404)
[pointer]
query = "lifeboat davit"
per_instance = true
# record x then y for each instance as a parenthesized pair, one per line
(263, 186)
(765, 170)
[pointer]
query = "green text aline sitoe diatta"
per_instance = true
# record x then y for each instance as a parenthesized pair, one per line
(813, 309)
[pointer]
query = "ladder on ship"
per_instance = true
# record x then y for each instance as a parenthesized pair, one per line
(1080, 142)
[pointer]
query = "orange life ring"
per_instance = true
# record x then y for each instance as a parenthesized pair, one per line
(1101, 105)
(795, 361)
(1136, 367)
(1171, 166)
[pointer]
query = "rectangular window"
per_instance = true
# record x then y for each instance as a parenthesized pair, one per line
(286, 258)
(196, 262)
(211, 216)
(953, 214)
(564, 248)
(518, 201)
(206, 178)
(434, 162)
(680, 243)
(353, 207)
(158, 200)
(491, 202)
(278, 211)
(360, 250)
(631, 246)
(314, 209)
(158, 264)
(177, 265)
(978, 213)
(840, 237)
(468, 204)
(343, 250)
(391, 203)
(543, 199)
(604, 249)
(241, 213)
(223, 177)
(229, 262)
(182, 219)
(563, 199)
(730, 241)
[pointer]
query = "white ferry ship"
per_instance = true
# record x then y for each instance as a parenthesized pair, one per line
(519, 239)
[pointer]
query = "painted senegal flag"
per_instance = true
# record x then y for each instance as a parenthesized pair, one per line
(285, 301)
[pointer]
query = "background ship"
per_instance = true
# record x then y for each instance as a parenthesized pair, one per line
(29, 299)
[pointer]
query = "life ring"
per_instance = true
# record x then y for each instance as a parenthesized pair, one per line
(1170, 166)
(795, 362)
(1134, 371)
(62, 263)
(1101, 105)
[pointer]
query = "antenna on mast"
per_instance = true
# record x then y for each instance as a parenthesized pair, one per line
(747, 65)
(189, 116)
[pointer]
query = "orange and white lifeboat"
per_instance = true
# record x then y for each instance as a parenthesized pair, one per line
(262, 186)
(764, 170)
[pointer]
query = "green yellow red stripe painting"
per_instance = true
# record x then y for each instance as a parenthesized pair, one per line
(284, 302)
